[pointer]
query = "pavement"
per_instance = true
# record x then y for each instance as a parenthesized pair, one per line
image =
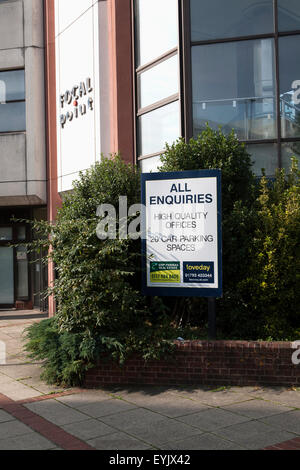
(37, 416)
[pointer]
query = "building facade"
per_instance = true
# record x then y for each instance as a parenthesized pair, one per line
(23, 175)
(130, 75)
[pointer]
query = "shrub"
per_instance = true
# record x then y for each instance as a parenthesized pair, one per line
(100, 309)
(212, 150)
(272, 285)
(97, 286)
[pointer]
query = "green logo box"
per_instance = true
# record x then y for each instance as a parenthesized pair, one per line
(165, 271)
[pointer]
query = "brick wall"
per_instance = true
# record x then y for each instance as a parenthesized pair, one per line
(206, 362)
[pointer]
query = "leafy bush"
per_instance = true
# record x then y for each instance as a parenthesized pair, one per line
(261, 232)
(97, 289)
(272, 285)
(212, 150)
(97, 286)
(67, 355)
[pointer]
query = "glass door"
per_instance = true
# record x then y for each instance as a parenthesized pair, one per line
(7, 295)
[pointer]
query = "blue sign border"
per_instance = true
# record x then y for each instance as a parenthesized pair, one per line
(182, 291)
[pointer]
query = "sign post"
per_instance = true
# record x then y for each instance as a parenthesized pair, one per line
(181, 235)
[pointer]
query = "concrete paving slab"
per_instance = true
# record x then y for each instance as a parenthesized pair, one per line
(17, 391)
(4, 417)
(13, 428)
(213, 419)
(253, 435)
(106, 408)
(282, 396)
(4, 379)
(214, 398)
(89, 429)
(21, 371)
(88, 397)
(257, 408)
(128, 420)
(118, 441)
(288, 421)
(202, 442)
(167, 404)
(56, 412)
(161, 432)
(40, 386)
(32, 441)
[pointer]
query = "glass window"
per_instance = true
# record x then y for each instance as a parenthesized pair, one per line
(149, 165)
(158, 83)
(12, 86)
(12, 101)
(5, 233)
(158, 127)
(22, 272)
(289, 150)
(12, 117)
(216, 19)
(288, 15)
(21, 232)
(263, 156)
(234, 87)
(289, 70)
(6, 275)
(156, 28)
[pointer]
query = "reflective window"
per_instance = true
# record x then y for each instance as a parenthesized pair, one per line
(6, 275)
(12, 117)
(289, 69)
(158, 127)
(12, 86)
(5, 233)
(22, 272)
(289, 150)
(12, 101)
(21, 232)
(156, 28)
(234, 87)
(263, 156)
(159, 82)
(149, 165)
(288, 15)
(216, 19)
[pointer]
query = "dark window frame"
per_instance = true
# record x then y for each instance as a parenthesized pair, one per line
(14, 101)
(11, 243)
(185, 76)
(138, 112)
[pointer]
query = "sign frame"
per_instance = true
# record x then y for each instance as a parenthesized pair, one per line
(182, 291)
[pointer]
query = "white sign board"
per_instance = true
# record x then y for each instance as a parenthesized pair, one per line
(182, 233)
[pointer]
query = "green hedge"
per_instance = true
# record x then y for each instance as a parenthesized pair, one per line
(97, 288)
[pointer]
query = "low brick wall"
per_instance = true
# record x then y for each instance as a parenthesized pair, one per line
(206, 362)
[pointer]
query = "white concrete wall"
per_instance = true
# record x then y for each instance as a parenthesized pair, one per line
(77, 58)
(23, 155)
